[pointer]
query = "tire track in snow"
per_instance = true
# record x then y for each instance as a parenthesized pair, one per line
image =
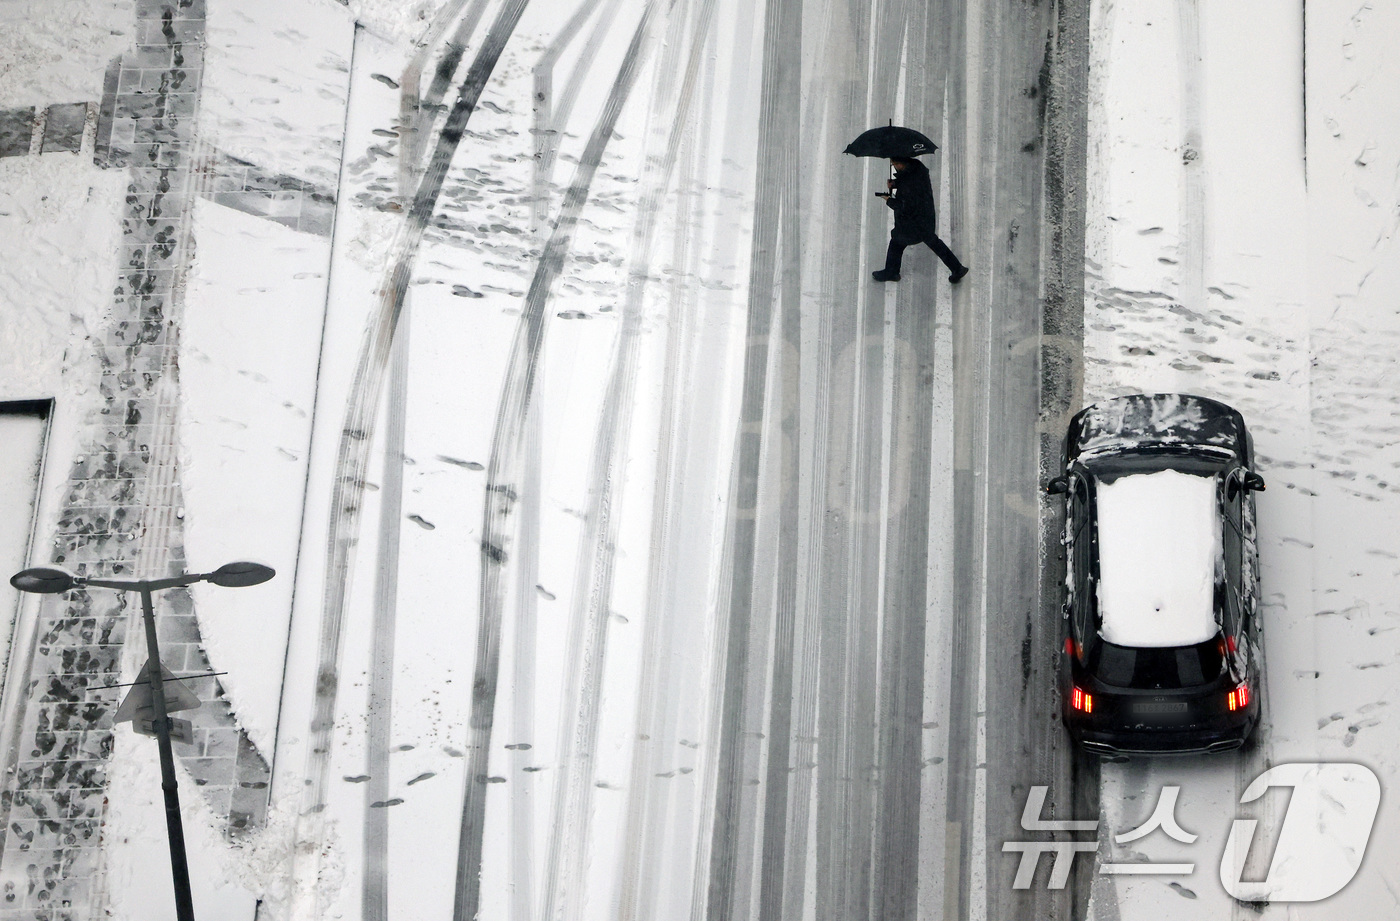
(522, 807)
(731, 837)
(820, 130)
(569, 844)
(907, 557)
(850, 533)
(867, 670)
(412, 109)
(505, 473)
(1006, 713)
(772, 812)
(838, 105)
(374, 888)
(419, 115)
(650, 785)
(1192, 220)
(840, 513)
(550, 119)
(610, 460)
(702, 452)
(960, 896)
(352, 456)
(1062, 365)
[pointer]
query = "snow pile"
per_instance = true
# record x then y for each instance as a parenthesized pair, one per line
(1159, 546)
(397, 21)
(55, 51)
(59, 234)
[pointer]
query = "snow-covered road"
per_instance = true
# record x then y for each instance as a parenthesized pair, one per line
(638, 556)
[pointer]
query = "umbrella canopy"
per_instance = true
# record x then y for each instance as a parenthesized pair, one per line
(891, 141)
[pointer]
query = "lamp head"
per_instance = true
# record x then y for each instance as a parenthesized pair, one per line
(44, 580)
(240, 575)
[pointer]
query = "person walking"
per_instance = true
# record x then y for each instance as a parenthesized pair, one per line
(910, 195)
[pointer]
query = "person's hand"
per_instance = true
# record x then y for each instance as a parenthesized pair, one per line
(889, 184)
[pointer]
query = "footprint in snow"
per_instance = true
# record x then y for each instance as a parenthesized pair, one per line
(457, 462)
(358, 778)
(1182, 890)
(390, 82)
(425, 525)
(424, 776)
(388, 802)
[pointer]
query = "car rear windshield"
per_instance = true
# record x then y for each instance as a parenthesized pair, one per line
(1161, 667)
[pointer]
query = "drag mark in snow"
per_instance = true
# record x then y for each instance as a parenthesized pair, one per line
(507, 468)
(353, 452)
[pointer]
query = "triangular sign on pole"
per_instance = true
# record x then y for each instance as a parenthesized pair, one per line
(139, 703)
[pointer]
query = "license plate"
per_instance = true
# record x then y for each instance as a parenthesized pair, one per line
(1160, 706)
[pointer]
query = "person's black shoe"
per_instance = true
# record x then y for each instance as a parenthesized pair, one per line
(886, 275)
(958, 274)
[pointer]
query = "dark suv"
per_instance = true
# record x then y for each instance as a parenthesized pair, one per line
(1161, 648)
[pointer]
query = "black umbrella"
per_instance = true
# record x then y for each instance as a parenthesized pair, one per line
(891, 141)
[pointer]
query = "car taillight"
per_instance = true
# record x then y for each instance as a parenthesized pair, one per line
(1238, 699)
(1080, 699)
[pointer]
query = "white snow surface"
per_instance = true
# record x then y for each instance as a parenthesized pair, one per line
(59, 234)
(56, 51)
(255, 305)
(1159, 552)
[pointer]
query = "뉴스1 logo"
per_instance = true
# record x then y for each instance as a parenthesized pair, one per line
(1324, 835)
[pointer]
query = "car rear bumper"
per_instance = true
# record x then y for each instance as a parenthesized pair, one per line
(1162, 741)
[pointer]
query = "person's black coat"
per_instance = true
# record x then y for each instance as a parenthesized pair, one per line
(914, 217)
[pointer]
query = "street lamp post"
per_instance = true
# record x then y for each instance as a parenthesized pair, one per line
(50, 581)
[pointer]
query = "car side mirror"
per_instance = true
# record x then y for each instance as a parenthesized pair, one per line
(1254, 481)
(1058, 486)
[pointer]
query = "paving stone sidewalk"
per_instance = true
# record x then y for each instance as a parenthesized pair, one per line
(123, 507)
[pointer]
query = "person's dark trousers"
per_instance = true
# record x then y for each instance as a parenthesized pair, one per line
(895, 255)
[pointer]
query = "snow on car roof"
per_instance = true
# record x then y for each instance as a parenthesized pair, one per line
(1159, 548)
(1163, 418)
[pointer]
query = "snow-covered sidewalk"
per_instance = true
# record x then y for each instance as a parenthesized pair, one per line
(1242, 245)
